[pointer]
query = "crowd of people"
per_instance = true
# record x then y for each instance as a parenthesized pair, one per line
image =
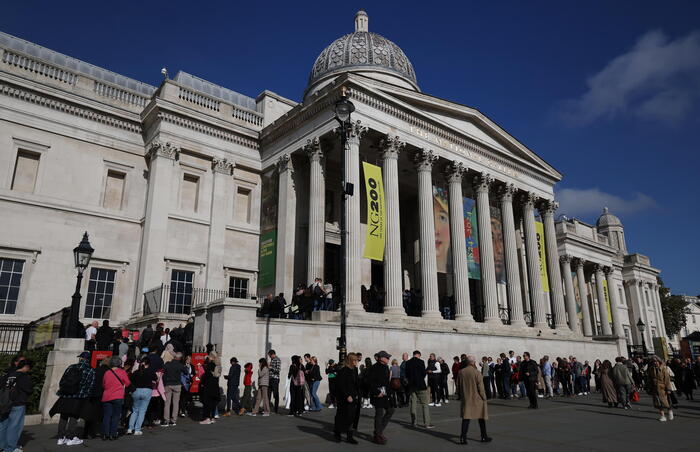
(152, 381)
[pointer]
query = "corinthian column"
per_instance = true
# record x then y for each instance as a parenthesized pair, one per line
(353, 274)
(390, 147)
(286, 227)
(614, 302)
(482, 185)
(317, 200)
(533, 261)
(602, 308)
(585, 310)
(428, 262)
(455, 172)
(570, 296)
(515, 301)
(550, 238)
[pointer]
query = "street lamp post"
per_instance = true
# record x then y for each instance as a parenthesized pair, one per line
(641, 326)
(343, 110)
(82, 255)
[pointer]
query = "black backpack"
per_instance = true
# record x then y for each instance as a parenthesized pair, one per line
(7, 389)
(70, 381)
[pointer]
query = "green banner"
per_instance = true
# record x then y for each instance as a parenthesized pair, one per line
(268, 245)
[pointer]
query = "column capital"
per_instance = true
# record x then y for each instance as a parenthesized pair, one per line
(547, 207)
(454, 172)
(565, 258)
(355, 130)
(609, 271)
(528, 199)
(159, 149)
(222, 165)
(284, 163)
(424, 160)
(313, 149)
(391, 146)
(506, 192)
(597, 268)
(578, 262)
(483, 182)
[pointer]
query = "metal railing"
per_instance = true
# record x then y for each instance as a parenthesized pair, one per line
(161, 300)
(550, 320)
(12, 337)
(28, 336)
(504, 314)
(528, 317)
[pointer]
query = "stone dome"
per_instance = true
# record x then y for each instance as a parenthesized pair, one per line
(363, 52)
(607, 219)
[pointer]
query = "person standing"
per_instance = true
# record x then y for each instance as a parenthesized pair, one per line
(623, 381)
(114, 382)
(262, 398)
(247, 388)
(143, 380)
(528, 375)
(474, 400)
(173, 388)
(455, 375)
(444, 392)
(607, 385)
(347, 393)
(331, 373)
(233, 380)
(19, 383)
(417, 389)
(378, 382)
(104, 335)
(314, 379)
(74, 388)
(209, 393)
(486, 375)
(660, 387)
(547, 375)
(298, 381)
(433, 370)
(507, 373)
(275, 369)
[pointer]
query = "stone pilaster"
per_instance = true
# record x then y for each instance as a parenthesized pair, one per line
(390, 148)
(317, 202)
(286, 227)
(428, 261)
(585, 309)
(547, 210)
(455, 173)
(515, 301)
(570, 299)
(482, 186)
(614, 302)
(602, 308)
(533, 261)
(657, 296)
(222, 170)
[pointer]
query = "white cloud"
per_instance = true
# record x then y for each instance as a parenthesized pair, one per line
(583, 202)
(658, 79)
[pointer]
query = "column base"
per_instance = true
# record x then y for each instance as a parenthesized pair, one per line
(464, 318)
(394, 312)
(493, 322)
(431, 315)
(519, 324)
(563, 326)
(542, 325)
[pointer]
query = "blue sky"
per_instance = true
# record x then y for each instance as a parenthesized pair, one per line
(607, 92)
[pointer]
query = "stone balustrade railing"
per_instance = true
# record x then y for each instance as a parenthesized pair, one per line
(38, 67)
(120, 94)
(199, 99)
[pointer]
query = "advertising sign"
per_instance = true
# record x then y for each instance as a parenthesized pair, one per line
(376, 212)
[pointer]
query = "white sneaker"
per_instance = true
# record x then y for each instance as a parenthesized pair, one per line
(580, 393)
(74, 442)
(447, 401)
(61, 441)
(662, 418)
(438, 404)
(331, 406)
(431, 404)
(138, 432)
(216, 417)
(670, 415)
(129, 432)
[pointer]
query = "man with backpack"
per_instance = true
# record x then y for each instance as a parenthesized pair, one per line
(15, 390)
(74, 389)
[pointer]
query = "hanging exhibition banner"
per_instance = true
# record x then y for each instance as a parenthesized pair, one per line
(376, 212)
(471, 235)
(268, 230)
(607, 299)
(441, 215)
(539, 228)
(499, 257)
(577, 293)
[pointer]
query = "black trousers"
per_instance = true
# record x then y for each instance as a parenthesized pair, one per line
(531, 393)
(67, 426)
(208, 407)
(434, 384)
(274, 390)
(346, 417)
(297, 404)
(465, 428)
(383, 411)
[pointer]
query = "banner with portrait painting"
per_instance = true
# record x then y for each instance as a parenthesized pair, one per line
(499, 257)
(577, 294)
(441, 215)
(471, 236)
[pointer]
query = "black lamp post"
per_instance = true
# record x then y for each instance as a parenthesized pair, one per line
(82, 255)
(641, 327)
(343, 110)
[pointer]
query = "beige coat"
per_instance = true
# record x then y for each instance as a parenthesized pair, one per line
(472, 394)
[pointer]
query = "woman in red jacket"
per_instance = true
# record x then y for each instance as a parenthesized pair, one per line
(247, 400)
(114, 383)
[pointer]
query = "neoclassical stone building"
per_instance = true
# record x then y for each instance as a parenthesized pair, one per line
(200, 200)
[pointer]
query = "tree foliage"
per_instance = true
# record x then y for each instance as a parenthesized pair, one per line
(674, 310)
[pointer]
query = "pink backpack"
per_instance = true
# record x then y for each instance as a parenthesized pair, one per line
(299, 379)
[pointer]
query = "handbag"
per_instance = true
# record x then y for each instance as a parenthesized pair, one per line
(634, 396)
(395, 384)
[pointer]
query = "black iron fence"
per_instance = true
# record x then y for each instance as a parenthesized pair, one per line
(28, 336)
(164, 299)
(528, 317)
(504, 314)
(550, 320)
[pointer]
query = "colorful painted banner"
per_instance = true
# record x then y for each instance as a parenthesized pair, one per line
(441, 215)
(499, 257)
(607, 299)
(539, 228)
(376, 212)
(471, 235)
(268, 230)
(577, 293)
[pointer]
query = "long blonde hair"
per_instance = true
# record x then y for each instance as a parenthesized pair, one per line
(351, 360)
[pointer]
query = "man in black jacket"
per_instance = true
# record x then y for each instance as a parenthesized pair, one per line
(20, 384)
(104, 336)
(172, 381)
(379, 394)
(528, 375)
(233, 381)
(415, 374)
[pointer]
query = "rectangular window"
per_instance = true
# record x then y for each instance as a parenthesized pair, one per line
(237, 287)
(114, 190)
(180, 292)
(10, 281)
(241, 208)
(26, 170)
(100, 292)
(190, 193)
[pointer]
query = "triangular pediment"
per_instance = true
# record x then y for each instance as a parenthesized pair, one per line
(467, 122)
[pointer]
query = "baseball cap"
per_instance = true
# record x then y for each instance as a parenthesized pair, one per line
(383, 354)
(85, 355)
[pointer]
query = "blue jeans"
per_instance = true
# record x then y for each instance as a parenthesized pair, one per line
(506, 386)
(523, 391)
(315, 402)
(11, 428)
(111, 413)
(142, 396)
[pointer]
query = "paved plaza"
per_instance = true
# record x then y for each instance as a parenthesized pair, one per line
(579, 424)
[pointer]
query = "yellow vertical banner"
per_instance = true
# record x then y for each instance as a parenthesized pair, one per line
(607, 299)
(539, 228)
(376, 212)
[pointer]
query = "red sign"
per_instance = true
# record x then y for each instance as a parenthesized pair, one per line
(198, 364)
(135, 336)
(98, 356)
